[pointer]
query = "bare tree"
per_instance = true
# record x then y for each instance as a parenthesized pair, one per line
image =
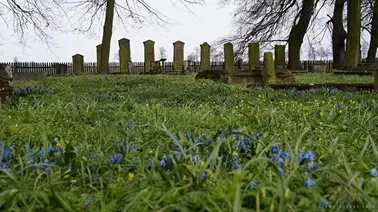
(135, 11)
(36, 15)
(372, 52)
(271, 20)
(162, 53)
(195, 55)
(216, 54)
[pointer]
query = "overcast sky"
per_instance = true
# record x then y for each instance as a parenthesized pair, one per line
(202, 23)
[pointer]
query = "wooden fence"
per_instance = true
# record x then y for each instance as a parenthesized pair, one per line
(56, 68)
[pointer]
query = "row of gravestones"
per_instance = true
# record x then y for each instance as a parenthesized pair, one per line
(151, 66)
(178, 57)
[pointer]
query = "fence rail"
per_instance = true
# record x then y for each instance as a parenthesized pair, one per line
(56, 68)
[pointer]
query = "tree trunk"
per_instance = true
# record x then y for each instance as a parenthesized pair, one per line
(353, 37)
(106, 37)
(338, 35)
(374, 35)
(297, 34)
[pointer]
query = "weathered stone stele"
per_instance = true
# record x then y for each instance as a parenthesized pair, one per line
(253, 56)
(78, 63)
(98, 51)
(6, 81)
(279, 57)
(269, 75)
(178, 56)
(229, 58)
(124, 55)
(149, 55)
(205, 57)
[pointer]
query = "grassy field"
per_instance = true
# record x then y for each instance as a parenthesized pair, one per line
(170, 143)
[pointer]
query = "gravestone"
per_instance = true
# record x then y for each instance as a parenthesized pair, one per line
(283, 75)
(98, 50)
(78, 64)
(269, 75)
(124, 55)
(178, 56)
(253, 56)
(205, 57)
(229, 58)
(6, 81)
(149, 55)
(279, 56)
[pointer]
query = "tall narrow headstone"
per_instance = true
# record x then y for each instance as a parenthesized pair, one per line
(205, 57)
(78, 63)
(124, 55)
(149, 55)
(279, 58)
(178, 56)
(253, 56)
(229, 58)
(269, 75)
(98, 49)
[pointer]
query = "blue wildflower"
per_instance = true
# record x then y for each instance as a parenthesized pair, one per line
(4, 165)
(374, 172)
(275, 148)
(58, 154)
(253, 183)
(209, 141)
(338, 106)
(132, 147)
(274, 156)
(197, 140)
(284, 155)
(163, 163)
(189, 134)
(116, 158)
(309, 155)
(234, 164)
(309, 182)
(195, 158)
(222, 134)
(208, 153)
(323, 203)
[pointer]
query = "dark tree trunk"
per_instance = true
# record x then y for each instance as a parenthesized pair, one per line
(353, 37)
(297, 34)
(374, 35)
(106, 37)
(338, 35)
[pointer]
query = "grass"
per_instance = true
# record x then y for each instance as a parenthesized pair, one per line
(170, 143)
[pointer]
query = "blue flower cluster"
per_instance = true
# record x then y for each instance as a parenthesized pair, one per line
(26, 90)
(40, 158)
(199, 147)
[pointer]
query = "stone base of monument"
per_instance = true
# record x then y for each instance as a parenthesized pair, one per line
(363, 68)
(244, 77)
(6, 80)
(339, 86)
(5, 90)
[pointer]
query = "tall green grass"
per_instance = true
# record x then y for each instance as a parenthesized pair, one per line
(170, 143)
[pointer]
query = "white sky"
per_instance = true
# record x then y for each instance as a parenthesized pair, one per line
(203, 23)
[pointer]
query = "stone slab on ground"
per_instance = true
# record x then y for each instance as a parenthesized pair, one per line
(340, 86)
